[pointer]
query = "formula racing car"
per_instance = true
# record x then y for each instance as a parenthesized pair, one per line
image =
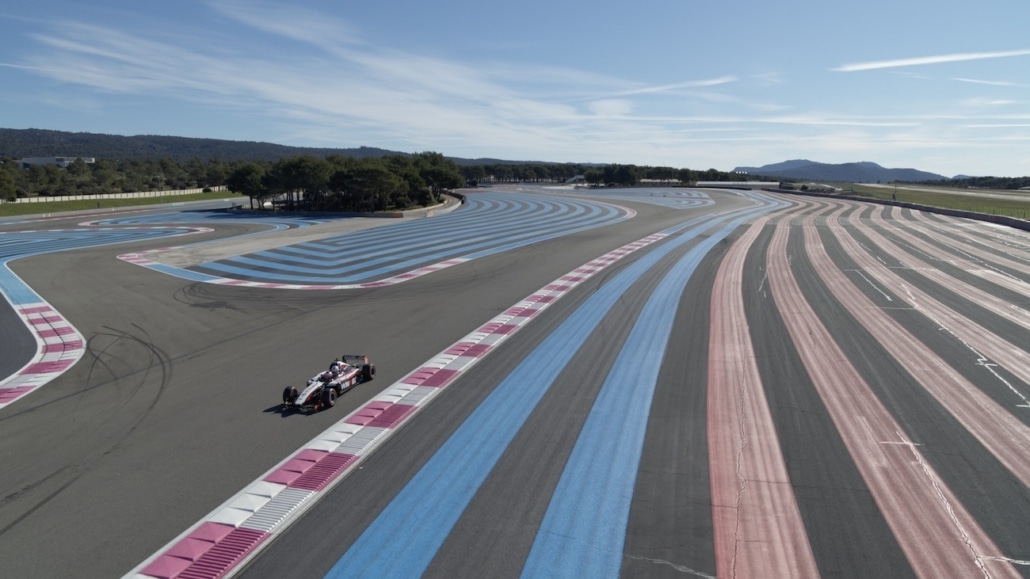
(322, 390)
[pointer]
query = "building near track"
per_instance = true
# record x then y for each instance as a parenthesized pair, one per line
(739, 184)
(62, 162)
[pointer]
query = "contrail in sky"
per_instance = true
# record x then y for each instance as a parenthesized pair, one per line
(928, 60)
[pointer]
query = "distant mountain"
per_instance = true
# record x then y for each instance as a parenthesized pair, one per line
(20, 143)
(864, 172)
(784, 166)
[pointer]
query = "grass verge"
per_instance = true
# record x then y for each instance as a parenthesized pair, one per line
(1007, 202)
(17, 209)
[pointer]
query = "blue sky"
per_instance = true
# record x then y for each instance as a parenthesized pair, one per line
(941, 86)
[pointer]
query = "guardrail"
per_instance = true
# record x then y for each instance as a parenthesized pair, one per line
(137, 194)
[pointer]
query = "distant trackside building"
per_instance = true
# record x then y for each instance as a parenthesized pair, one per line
(62, 162)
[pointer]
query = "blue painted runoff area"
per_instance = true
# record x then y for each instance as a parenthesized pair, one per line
(18, 245)
(584, 528)
(404, 538)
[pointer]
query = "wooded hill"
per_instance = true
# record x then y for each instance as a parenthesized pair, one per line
(20, 143)
(363, 178)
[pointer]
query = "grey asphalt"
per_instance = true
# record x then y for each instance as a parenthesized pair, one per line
(18, 343)
(669, 531)
(172, 409)
(496, 531)
(844, 525)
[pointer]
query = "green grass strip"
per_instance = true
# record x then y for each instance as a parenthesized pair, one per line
(16, 209)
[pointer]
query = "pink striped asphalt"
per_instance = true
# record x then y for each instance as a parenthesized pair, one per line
(1014, 359)
(981, 270)
(59, 347)
(937, 534)
(1005, 309)
(756, 525)
(1001, 433)
(998, 237)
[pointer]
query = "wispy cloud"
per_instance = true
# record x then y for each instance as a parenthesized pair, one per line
(307, 78)
(21, 66)
(294, 22)
(919, 61)
(676, 86)
(384, 94)
(998, 126)
(988, 102)
(381, 96)
(768, 78)
(991, 82)
(819, 120)
(611, 108)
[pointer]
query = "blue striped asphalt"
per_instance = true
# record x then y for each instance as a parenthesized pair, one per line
(584, 528)
(183, 273)
(492, 220)
(404, 538)
(665, 197)
(446, 242)
(331, 275)
(15, 290)
(412, 237)
(276, 221)
(478, 216)
(18, 245)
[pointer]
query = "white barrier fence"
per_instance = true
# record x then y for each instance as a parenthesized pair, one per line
(116, 195)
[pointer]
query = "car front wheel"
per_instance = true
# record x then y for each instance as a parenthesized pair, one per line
(289, 395)
(328, 397)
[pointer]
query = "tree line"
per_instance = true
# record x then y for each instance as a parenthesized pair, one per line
(616, 174)
(331, 183)
(108, 176)
(338, 183)
(611, 174)
(321, 183)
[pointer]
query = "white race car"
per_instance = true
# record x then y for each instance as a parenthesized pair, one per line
(322, 390)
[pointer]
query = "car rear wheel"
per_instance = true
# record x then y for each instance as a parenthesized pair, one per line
(368, 372)
(328, 397)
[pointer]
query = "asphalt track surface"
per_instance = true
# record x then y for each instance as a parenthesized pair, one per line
(841, 391)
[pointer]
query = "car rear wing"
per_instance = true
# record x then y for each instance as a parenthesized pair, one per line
(354, 359)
